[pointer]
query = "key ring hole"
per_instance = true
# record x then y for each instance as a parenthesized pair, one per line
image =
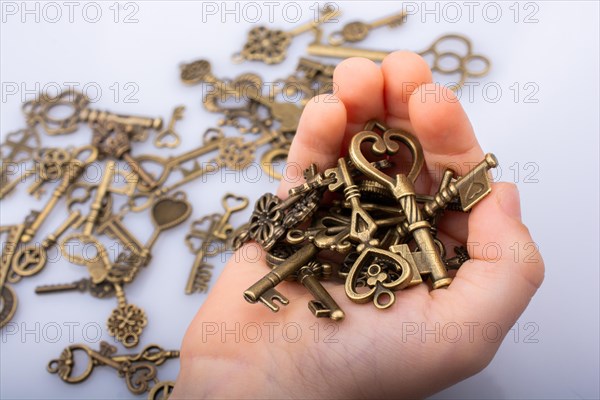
(336, 38)
(448, 63)
(59, 112)
(383, 299)
(476, 65)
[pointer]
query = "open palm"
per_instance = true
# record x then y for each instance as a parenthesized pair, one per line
(427, 340)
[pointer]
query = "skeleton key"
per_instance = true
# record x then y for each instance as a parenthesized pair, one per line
(362, 226)
(219, 228)
(101, 290)
(30, 260)
(159, 140)
(264, 290)
(74, 169)
(402, 187)
(40, 111)
(471, 188)
(461, 62)
(139, 370)
(356, 31)
(270, 46)
(324, 305)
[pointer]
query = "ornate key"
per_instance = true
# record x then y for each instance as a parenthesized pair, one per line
(74, 169)
(440, 57)
(356, 31)
(219, 229)
(18, 147)
(39, 111)
(100, 290)
(30, 259)
(112, 140)
(139, 370)
(270, 46)
(402, 188)
(173, 139)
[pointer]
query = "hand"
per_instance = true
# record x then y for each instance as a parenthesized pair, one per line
(426, 341)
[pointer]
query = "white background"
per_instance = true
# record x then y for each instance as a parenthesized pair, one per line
(553, 350)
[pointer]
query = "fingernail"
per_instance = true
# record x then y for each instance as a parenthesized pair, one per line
(509, 201)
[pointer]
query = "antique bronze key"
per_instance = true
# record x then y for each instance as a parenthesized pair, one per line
(356, 31)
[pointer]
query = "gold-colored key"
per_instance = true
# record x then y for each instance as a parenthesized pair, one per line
(356, 31)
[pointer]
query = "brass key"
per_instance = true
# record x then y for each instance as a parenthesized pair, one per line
(100, 290)
(74, 169)
(169, 132)
(324, 306)
(8, 298)
(138, 370)
(270, 46)
(264, 290)
(39, 111)
(437, 50)
(96, 206)
(30, 260)
(219, 229)
(356, 31)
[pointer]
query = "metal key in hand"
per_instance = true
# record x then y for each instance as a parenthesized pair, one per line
(169, 137)
(356, 31)
(219, 229)
(270, 46)
(139, 370)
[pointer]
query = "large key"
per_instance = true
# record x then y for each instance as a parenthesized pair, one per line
(270, 46)
(39, 111)
(356, 31)
(74, 169)
(264, 290)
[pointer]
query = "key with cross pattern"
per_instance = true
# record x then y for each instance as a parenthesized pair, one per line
(270, 46)
(40, 110)
(356, 31)
(138, 370)
(219, 230)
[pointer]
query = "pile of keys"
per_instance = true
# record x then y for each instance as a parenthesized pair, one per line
(383, 230)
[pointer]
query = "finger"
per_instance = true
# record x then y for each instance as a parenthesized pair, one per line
(444, 130)
(403, 72)
(506, 269)
(358, 82)
(318, 140)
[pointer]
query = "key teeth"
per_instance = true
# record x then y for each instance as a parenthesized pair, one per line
(269, 298)
(320, 311)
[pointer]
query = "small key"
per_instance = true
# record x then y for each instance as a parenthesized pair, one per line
(101, 290)
(324, 306)
(30, 260)
(264, 290)
(356, 31)
(362, 226)
(270, 46)
(74, 169)
(175, 140)
(223, 228)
